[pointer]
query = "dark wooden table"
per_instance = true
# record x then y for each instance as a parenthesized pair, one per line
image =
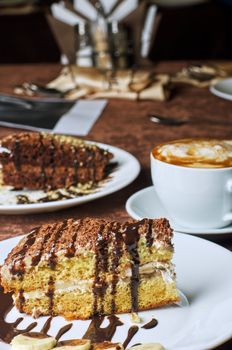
(125, 124)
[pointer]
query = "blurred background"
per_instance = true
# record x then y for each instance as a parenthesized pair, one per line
(34, 31)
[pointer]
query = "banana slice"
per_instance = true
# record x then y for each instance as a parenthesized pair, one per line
(106, 345)
(73, 344)
(148, 346)
(33, 341)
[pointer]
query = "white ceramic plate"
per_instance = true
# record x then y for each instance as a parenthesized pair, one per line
(223, 89)
(127, 170)
(146, 204)
(203, 275)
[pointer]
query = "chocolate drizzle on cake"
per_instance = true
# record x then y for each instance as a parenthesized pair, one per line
(131, 333)
(19, 269)
(131, 238)
(21, 300)
(42, 167)
(50, 294)
(63, 162)
(75, 166)
(37, 256)
(71, 248)
(90, 162)
(101, 266)
(116, 256)
(75, 177)
(149, 235)
(16, 153)
(52, 260)
(52, 149)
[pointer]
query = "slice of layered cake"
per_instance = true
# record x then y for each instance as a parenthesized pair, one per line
(87, 267)
(46, 161)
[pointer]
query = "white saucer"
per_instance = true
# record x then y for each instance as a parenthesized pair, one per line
(146, 204)
(223, 89)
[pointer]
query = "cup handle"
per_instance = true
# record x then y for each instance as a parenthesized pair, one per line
(228, 216)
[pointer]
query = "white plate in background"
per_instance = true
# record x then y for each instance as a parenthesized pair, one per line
(203, 275)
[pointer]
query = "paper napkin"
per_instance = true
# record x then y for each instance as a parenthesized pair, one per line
(77, 121)
(80, 118)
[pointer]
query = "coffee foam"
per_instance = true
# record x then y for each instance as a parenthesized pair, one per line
(196, 153)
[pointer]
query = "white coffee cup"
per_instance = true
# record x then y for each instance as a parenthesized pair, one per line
(196, 197)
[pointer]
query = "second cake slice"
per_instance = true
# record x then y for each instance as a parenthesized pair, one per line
(47, 161)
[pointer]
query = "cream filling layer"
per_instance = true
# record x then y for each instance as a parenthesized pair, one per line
(146, 270)
(5, 270)
(6, 274)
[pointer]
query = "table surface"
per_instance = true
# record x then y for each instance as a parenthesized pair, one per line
(125, 124)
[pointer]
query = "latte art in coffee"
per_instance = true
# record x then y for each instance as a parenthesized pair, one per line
(196, 153)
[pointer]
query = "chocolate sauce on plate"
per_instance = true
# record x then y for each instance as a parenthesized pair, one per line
(8, 330)
(152, 324)
(63, 330)
(98, 334)
(131, 333)
(46, 326)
